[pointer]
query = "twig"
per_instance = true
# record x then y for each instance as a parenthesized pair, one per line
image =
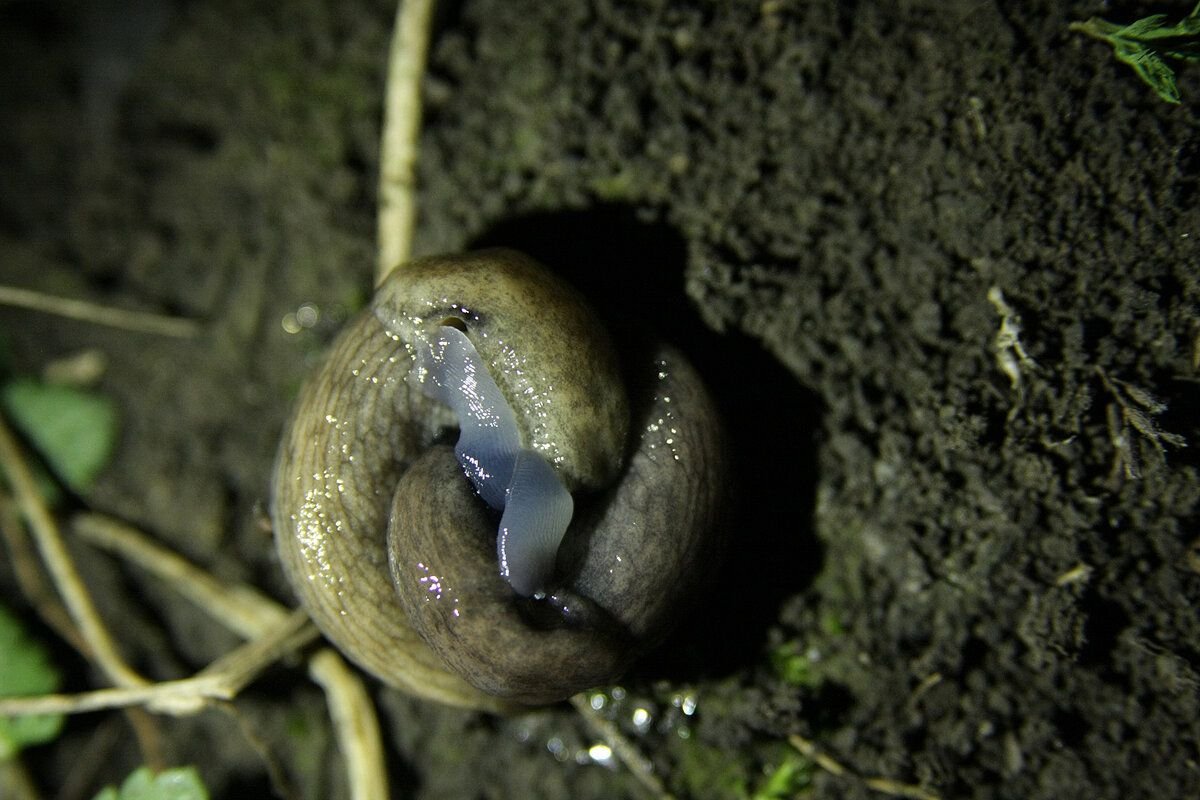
(239, 667)
(221, 680)
(139, 321)
(401, 130)
(882, 785)
(240, 608)
(180, 697)
(354, 720)
(625, 751)
(32, 580)
(896, 789)
(36, 587)
(58, 561)
(249, 613)
(809, 749)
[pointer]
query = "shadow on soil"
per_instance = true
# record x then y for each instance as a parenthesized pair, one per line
(633, 274)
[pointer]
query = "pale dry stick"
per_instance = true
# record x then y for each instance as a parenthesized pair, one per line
(396, 221)
(879, 784)
(32, 581)
(395, 225)
(896, 789)
(36, 588)
(810, 751)
(139, 321)
(220, 680)
(248, 612)
(354, 718)
(58, 561)
(240, 608)
(624, 750)
(401, 131)
(238, 668)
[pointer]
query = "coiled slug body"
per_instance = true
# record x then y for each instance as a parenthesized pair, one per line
(393, 552)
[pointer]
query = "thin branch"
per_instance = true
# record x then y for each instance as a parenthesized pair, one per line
(882, 785)
(58, 561)
(401, 131)
(238, 668)
(354, 722)
(810, 751)
(625, 751)
(34, 584)
(168, 694)
(896, 789)
(221, 680)
(249, 613)
(138, 321)
(240, 608)
(31, 579)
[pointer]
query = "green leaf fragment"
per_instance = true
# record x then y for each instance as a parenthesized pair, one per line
(1151, 69)
(786, 779)
(181, 783)
(74, 430)
(1184, 51)
(1145, 43)
(1142, 29)
(791, 665)
(25, 669)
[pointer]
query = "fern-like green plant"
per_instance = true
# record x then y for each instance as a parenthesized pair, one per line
(1147, 43)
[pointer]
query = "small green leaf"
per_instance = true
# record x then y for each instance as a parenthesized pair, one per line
(74, 430)
(181, 783)
(25, 669)
(786, 779)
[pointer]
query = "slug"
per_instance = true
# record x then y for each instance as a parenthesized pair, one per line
(559, 538)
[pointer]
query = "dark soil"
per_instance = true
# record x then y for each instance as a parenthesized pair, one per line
(961, 563)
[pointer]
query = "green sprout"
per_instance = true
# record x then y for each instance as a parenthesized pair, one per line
(1146, 43)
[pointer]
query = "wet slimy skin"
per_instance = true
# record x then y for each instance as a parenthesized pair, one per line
(406, 565)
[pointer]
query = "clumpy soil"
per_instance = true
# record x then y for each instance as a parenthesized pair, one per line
(937, 260)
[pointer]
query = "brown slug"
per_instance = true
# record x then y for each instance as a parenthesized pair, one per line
(556, 542)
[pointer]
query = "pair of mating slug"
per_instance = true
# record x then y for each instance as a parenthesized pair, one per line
(477, 593)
